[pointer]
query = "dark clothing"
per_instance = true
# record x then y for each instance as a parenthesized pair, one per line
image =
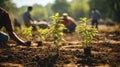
(16, 23)
(95, 23)
(95, 15)
(3, 38)
(72, 28)
(28, 21)
(5, 21)
(117, 18)
(69, 23)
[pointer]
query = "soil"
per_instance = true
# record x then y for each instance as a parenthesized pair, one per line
(105, 52)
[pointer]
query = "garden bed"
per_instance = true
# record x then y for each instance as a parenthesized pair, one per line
(105, 53)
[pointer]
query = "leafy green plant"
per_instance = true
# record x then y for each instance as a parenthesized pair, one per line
(17, 28)
(3, 29)
(87, 34)
(28, 32)
(117, 27)
(43, 33)
(57, 30)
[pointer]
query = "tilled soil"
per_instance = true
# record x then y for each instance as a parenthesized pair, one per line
(105, 53)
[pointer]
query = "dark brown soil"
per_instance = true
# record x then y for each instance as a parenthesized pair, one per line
(105, 52)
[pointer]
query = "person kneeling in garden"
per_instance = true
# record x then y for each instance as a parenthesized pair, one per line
(5, 21)
(69, 22)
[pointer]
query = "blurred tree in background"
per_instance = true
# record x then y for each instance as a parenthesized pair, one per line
(39, 12)
(108, 8)
(102, 6)
(75, 8)
(49, 11)
(9, 6)
(60, 6)
(79, 8)
(115, 7)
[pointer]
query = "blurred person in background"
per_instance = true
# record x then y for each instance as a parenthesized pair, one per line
(17, 23)
(5, 21)
(95, 15)
(28, 21)
(69, 22)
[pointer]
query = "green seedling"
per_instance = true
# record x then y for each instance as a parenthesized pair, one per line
(28, 33)
(3, 29)
(117, 27)
(16, 28)
(87, 34)
(57, 30)
(43, 33)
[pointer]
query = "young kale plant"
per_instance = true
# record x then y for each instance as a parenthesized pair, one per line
(87, 34)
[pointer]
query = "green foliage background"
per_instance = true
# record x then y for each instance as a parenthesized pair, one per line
(75, 8)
